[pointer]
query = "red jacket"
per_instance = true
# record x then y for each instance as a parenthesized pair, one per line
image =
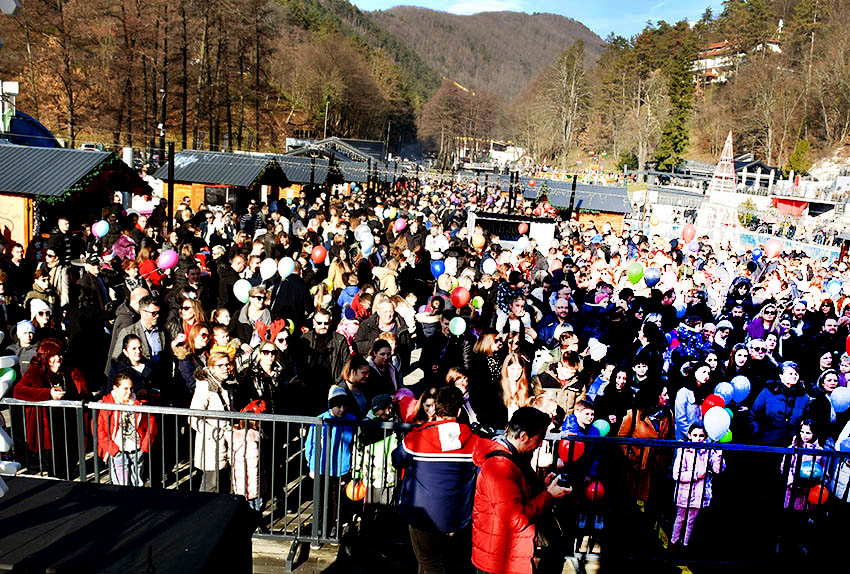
(503, 515)
(34, 386)
(106, 427)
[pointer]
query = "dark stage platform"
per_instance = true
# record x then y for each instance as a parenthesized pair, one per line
(64, 527)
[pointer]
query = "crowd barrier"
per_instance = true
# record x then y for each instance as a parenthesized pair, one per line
(756, 505)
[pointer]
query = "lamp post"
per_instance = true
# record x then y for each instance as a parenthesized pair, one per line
(162, 127)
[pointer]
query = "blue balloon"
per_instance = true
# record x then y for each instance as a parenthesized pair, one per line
(437, 268)
(651, 277)
(834, 288)
(811, 470)
(741, 386)
(756, 254)
(725, 390)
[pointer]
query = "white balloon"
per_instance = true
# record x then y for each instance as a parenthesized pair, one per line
(286, 267)
(4, 388)
(5, 441)
(717, 421)
(10, 468)
(268, 268)
(489, 266)
(8, 361)
(521, 243)
(241, 289)
(362, 231)
(3, 488)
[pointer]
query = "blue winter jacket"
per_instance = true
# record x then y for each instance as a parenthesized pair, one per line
(341, 439)
(777, 412)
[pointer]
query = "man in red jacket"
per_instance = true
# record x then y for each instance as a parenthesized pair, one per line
(508, 496)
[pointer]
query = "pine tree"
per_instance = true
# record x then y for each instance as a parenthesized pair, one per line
(799, 162)
(675, 138)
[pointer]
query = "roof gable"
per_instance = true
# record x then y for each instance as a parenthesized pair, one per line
(46, 172)
(218, 168)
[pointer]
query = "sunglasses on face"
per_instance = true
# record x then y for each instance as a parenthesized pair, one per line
(267, 352)
(258, 297)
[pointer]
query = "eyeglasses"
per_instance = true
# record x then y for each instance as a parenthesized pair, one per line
(44, 313)
(50, 255)
(320, 323)
(258, 297)
(149, 312)
(759, 349)
(267, 352)
(770, 312)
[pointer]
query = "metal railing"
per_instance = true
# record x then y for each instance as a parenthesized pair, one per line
(313, 478)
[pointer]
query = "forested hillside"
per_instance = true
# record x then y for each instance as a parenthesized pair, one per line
(498, 52)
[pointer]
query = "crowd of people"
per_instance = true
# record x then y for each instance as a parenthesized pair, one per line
(315, 307)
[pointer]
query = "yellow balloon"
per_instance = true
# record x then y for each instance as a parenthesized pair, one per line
(654, 220)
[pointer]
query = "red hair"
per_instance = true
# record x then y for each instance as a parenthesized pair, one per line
(48, 348)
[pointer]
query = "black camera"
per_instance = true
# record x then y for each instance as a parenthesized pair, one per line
(564, 480)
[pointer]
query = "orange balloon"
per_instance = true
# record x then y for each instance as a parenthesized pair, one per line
(654, 220)
(355, 490)
(532, 183)
(523, 228)
(478, 241)
(688, 233)
(818, 494)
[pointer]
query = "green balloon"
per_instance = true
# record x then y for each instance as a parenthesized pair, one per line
(477, 301)
(457, 326)
(726, 438)
(635, 272)
(602, 426)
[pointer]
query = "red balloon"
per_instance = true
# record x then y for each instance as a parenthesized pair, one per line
(688, 233)
(318, 255)
(523, 228)
(847, 344)
(564, 450)
(460, 297)
(818, 494)
(594, 491)
(532, 183)
(712, 401)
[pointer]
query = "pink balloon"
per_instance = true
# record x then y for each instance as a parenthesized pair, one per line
(167, 259)
(668, 278)
(773, 247)
(400, 224)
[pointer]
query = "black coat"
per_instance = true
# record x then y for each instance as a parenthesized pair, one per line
(369, 331)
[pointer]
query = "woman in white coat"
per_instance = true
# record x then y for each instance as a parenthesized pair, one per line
(213, 392)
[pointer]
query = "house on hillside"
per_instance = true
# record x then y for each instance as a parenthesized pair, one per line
(716, 63)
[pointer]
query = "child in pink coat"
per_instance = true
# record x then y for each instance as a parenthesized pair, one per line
(693, 485)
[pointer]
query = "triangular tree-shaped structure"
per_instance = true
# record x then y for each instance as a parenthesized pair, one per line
(724, 174)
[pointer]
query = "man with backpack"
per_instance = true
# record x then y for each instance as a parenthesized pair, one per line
(438, 485)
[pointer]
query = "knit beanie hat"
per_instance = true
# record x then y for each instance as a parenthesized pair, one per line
(337, 397)
(37, 306)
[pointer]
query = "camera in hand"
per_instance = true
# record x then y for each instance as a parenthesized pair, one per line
(564, 480)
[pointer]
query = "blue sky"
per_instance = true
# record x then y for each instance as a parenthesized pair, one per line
(624, 17)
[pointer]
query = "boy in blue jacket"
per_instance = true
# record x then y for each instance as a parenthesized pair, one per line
(338, 436)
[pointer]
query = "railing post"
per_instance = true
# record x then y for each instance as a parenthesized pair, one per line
(317, 466)
(81, 442)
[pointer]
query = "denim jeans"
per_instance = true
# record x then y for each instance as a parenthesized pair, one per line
(127, 468)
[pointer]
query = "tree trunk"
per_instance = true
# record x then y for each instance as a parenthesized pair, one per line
(257, 83)
(67, 76)
(203, 59)
(30, 62)
(184, 96)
